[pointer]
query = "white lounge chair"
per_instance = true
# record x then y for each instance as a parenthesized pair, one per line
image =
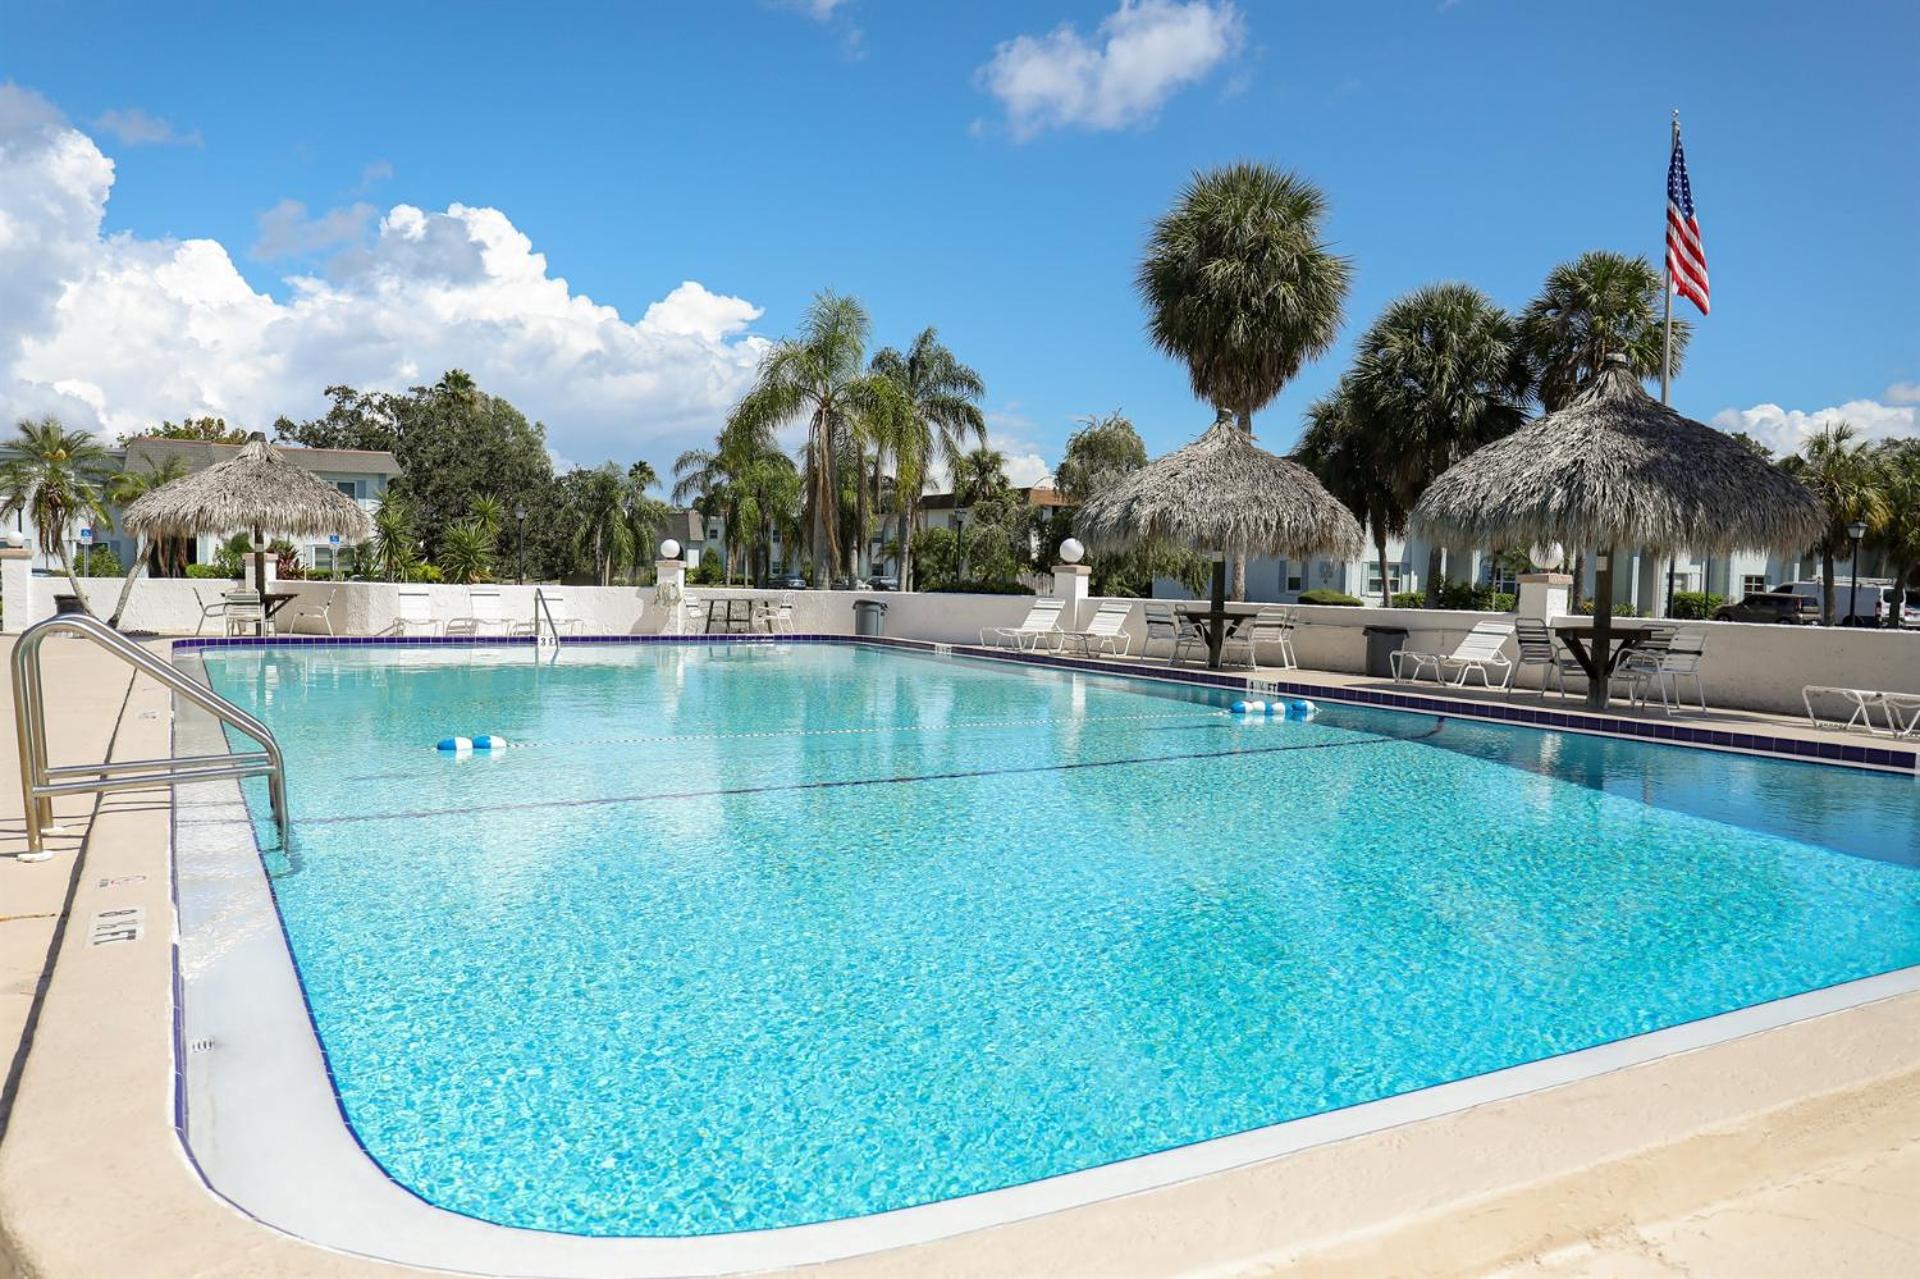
(1163, 622)
(1273, 626)
(483, 615)
(1478, 652)
(1041, 622)
(413, 613)
(311, 607)
(1901, 710)
(246, 613)
(1107, 632)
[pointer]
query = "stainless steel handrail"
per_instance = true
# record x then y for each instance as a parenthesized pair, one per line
(39, 781)
(540, 606)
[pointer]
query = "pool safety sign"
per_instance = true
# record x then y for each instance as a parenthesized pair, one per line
(109, 927)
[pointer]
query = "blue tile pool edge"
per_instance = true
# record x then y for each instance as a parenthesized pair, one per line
(509, 1251)
(1896, 759)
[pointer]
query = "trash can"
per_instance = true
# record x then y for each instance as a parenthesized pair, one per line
(67, 604)
(869, 617)
(1382, 643)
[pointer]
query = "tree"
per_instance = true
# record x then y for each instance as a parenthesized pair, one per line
(1240, 286)
(126, 486)
(394, 550)
(940, 400)
(211, 430)
(1899, 533)
(1343, 448)
(599, 519)
(1104, 451)
(55, 477)
(817, 376)
(1439, 374)
(466, 551)
(1842, 472)
(1599, 304)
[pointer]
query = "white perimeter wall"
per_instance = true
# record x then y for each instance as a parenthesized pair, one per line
(1753, 667)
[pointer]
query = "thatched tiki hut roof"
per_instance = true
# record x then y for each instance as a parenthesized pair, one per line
(256, 489)
(1617, 468)
(1222, 493)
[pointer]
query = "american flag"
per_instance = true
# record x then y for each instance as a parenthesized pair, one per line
(1686, 256)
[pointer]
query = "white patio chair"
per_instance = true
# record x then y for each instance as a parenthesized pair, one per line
(212, 609)
(1107, 632)
(1269, 626)
(1480, 652)
(1539, 648)
(413, 613)
(309, 608)
(1677, 659)
(778, 616)
(483, 615)
(1042, 622)
(245, 612)
(1163, 622)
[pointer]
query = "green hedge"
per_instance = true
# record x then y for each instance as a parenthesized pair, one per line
(1694, 605)
(1326, 595)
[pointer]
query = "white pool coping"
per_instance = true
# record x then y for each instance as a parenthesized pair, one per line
(261, 1124)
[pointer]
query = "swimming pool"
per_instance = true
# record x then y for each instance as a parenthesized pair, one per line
(740, 937)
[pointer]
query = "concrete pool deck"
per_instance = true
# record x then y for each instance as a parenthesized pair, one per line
(1725, 1159)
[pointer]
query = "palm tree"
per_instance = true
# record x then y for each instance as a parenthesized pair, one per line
(602, 530)
(941, 413)
(818, 376)
(122, 488)
(1341, 447)
(980, 475)
(1439, 374)
(466, 551)
(1841, 470)
(1597, 305)
(1899, 536)
(54, 477)
(395, 547)
(1241, 287)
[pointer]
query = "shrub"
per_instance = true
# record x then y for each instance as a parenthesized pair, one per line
(1695, 605)
(1326, 595)
(978, 588)
(1409, 599)
(425, 573)
(1619, 610)
(706, 572)
(102, 562)
(206, 571)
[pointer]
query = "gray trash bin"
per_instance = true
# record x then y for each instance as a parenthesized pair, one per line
(1382, 643)
(869, 617)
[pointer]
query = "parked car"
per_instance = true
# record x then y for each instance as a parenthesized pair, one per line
(883, 583)
(1770, 606)
(787, 582)
(1867, 606)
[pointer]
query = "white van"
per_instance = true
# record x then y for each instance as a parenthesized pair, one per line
(1866, 602)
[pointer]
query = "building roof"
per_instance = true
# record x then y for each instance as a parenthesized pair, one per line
(1041, 494)
(200, 454)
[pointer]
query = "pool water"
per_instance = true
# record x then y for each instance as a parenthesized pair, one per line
(750, 936)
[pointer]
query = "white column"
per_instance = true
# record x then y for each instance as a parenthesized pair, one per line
(1543, 595)
(670, 583)
(16, 589)
(1070, 583)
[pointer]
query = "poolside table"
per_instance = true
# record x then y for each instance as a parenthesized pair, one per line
(1622, 640)
(735, 614)
(1214, 622)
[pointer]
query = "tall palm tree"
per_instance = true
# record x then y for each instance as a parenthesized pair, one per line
(1439, 374)
(1899, 535)
(1842, 472)
(1344, 449)
(54, 477)
(1599, 304)
(941, 415)
(122, 488)
(979, 475)
(818, 376)
(601, 528)
(1240, 285)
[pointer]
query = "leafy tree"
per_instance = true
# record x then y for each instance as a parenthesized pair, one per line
(1104, 451)
(1597, 305)
(940, 412)
(1346, 451)
(1439, 374)
(1843, 473)
(1240, 286)
(168, 555)
(210, 430)
(1899, 534)
(55, 477)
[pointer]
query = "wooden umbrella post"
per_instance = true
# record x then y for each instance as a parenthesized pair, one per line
(260, 563)
(1599, 684)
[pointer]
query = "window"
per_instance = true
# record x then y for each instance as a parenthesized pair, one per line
(350, 487)
(1395, 578)
(1502, 578)
(1293, 582)
(1753, 584)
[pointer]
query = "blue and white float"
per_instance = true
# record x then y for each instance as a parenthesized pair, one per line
(490, 742)
(456, 745)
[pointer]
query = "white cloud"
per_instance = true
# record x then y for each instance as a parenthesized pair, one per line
(134, 128)
(1012, 433)
(1142, 53)
(286, 231)
(114, 332)
(1787, 430)
(1903, 393)
(372, 175)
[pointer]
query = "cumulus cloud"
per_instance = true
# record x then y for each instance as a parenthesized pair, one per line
(1786, 430)
(286, 231)
(1903, 393)
(115, 332)
(135, 128)
(1141, 54)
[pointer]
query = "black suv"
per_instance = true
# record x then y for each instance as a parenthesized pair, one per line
(1770, 606)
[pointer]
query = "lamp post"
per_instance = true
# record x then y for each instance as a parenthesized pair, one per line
(1856, 530)
(520, 526)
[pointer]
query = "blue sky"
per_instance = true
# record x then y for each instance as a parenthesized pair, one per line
(768, 150)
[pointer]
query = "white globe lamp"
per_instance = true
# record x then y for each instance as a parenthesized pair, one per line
(1072, 551)
(669, 550)
(1548, 557)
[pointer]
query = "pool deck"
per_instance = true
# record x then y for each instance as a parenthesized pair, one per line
(1791, 1151)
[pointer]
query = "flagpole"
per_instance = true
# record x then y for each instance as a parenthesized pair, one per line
(1666, 349)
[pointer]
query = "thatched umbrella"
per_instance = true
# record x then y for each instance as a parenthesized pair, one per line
(1615, 467)
(255, 489)
(1225, 494)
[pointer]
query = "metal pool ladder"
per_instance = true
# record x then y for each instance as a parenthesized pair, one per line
(40, 782)
(542, 609)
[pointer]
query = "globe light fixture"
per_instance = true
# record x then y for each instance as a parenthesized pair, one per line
(1548, 557)
(669, 550)
(1071, 551)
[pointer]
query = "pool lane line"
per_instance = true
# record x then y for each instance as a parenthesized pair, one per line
(605, 801)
